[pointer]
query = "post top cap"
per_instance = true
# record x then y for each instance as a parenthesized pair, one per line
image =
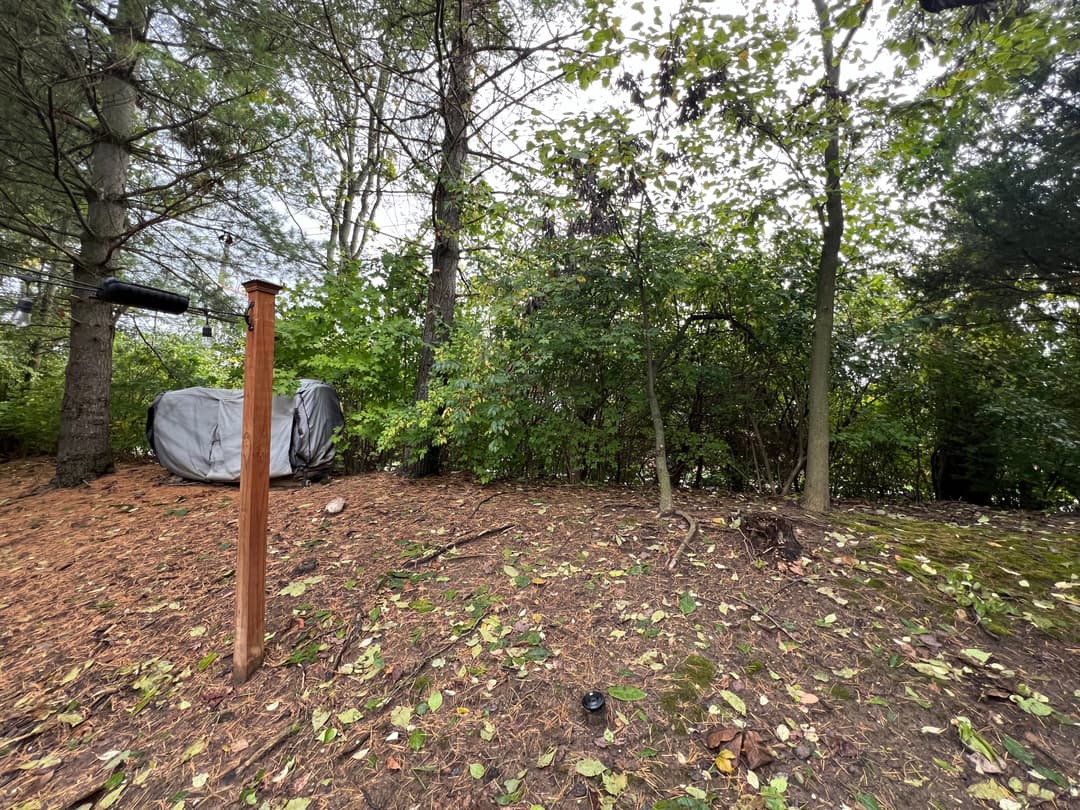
(258, 285)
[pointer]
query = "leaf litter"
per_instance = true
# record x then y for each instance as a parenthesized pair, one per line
(429, 644)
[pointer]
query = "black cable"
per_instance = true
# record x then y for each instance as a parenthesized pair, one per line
(39, 277)
(150, 346)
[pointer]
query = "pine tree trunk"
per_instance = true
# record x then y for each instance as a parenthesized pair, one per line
(84, 451)
(447, 202)
(816, 493)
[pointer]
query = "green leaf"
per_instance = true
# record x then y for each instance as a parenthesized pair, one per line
(110, 798)
(435, 700)
(972, 739)
(590, 767)
(293, 589)
(546, 758)
(1032, 706)
(349, 716)
(734, 701)
(1017, 750)
(300, 586)
(976, 655)
(990, 791)
(417, 738)
(193, 750)
(687, 605)
(614, 783)
(400, 716)
(206, 661)
(1052, 775)
(477, 771)
(626, 693)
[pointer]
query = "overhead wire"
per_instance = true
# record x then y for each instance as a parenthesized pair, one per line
(41, 277)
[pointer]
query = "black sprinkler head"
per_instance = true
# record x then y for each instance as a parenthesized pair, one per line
(593, 701)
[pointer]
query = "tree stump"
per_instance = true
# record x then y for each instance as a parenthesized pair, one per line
(768, 533)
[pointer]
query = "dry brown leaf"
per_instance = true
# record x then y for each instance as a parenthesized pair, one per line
(716, 738)
(756, 751)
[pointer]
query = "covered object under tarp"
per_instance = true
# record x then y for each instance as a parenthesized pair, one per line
(196, 433)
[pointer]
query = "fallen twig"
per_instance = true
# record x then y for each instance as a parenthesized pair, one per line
(355, 745)
(482, 501)
(691, 532)
(263, 750)
(38, 729)
(756, 609)
(767, 615)
(349, 636)
(454, 544)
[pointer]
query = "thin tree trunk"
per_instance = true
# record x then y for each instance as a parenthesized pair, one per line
(447, 202)
(667, 502)
(816, 493)
(84, 451)
(789, 482)
(43, 307)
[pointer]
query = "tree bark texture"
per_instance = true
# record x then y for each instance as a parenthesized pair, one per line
(448, 196)
(84, 450)
(663, 477)
(816, 492)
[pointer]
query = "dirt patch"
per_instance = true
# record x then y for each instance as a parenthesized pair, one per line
(429, 646)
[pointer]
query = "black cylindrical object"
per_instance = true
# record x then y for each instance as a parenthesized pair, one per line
(595, 707)
(138, 295)
(934, 6)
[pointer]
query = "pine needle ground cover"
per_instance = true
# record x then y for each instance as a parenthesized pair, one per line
(430, 643)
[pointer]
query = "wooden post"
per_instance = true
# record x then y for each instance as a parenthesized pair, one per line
(254, 481)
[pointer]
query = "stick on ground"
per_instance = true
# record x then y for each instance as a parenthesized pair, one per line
(454, 544)
(691, 533)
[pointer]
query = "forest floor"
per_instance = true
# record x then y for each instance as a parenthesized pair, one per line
(429, 646)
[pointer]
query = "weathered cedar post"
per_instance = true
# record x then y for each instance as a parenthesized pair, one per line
(254, 481)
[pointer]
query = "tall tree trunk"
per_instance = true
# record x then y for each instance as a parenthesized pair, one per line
(447, 199)
(84, 450)
(816, 493)
(663, 477)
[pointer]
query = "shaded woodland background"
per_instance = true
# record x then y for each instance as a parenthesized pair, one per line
(562, 241)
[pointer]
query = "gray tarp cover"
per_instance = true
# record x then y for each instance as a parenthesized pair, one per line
(196, 432)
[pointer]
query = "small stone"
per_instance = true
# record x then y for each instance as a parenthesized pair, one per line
(803, 751)
(335, 506)
(579, 790)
